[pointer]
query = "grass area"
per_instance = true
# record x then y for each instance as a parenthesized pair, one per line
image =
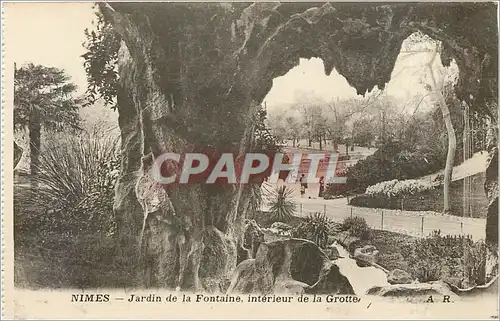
(389, 244)
(59, 261)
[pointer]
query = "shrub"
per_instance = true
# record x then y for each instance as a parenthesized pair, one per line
(438, 257)
(391, 161)
(68, 210)
(356, 226)
(316, 228)
(76, 179)
(282, 207)
(397, 188)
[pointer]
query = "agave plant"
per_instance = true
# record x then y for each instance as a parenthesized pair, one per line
(281, 205)
(75, 181)
(319, 227)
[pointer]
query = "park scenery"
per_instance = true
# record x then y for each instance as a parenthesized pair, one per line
(400, 97)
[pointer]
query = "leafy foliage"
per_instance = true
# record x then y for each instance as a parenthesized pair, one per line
(264, 140)
(65, 225)
(316, 228)
(48, 92)
(456, 259)
(282, 207)
(397, 188)
(392, 161)
(75, 189)
(356, 226)
(100, 64)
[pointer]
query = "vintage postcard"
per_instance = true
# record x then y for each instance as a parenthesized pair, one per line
(249, 160)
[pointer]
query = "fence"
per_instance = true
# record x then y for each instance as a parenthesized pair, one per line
(405, 222)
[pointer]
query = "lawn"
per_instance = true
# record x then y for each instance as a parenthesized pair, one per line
(389, 245)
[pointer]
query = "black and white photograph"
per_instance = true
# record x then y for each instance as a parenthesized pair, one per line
(292, 160)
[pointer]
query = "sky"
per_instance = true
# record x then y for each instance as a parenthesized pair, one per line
(407, 82)
(52, 34)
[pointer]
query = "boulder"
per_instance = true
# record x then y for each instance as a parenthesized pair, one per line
(415, 292)
(332, 252)
(291, 266)
(347, 240)
(367, 253)
(281, 226)
(398, 276)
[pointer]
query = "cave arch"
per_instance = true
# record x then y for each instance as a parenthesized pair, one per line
(194, 73)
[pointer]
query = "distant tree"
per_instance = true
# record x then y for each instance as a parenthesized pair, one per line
(278, 125)
(264, 140)
(43, 98)
(294, 129)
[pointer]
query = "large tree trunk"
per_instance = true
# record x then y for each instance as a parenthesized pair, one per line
(335, 144)
(452, 140)
(450, 157)
(193, 76)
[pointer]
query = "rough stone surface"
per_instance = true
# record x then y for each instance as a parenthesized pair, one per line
(292, 266)
(253, 237)
(367, 253)
(417, 293)
(398, 276)
(332, 252)
(191, 77)
(18, 153)
(281, 226)
(491, 189)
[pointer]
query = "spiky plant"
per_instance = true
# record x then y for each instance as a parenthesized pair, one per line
(281, 205)
(75, 182)
(316, 229)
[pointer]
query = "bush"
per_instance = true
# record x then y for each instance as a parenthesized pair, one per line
(316, 228)
(76, 181)
(397, 188)
(448, 258)
(356, 226)
(391, 161)
(67, 211)
(282, 207)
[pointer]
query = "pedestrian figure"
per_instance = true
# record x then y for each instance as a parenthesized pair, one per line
(321, 186)
(303, 185)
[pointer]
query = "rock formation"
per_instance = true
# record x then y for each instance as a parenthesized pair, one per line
(416, 293)
(18, 153)
(192, 75)
(293, 266)
(398, 276)
(491, 189)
